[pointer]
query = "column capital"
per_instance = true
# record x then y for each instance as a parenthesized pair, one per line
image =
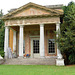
(57, 23)
(6, 26)
(21, 26)
(42, 24)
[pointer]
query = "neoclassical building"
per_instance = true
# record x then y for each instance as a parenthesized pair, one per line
(29, 30)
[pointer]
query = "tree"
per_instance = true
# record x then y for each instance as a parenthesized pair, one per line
(66, 39)
(1, 22)
(1, 35)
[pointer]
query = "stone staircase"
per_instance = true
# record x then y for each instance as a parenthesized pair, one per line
(30, 61)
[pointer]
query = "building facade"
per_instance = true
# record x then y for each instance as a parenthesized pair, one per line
(29, 30)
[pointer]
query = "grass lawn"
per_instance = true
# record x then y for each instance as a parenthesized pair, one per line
(36, 70)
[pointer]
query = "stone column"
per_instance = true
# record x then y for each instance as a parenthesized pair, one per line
(59, 55)
(21, 42)
(42, 50)
(59, 60)
(6, 42)
(14, 42)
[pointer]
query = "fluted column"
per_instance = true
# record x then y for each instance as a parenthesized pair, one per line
(42, 50)
(6, 42)
(59, 55)
(59, 60)
(21, 42)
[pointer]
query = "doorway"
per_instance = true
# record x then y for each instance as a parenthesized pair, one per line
(35, 48)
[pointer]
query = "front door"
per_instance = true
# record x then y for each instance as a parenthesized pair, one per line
(35, 50)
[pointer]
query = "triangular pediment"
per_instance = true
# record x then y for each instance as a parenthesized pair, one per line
(32, 9)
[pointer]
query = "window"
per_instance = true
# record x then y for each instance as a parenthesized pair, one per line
(35, 46)
(51, 45)
(23, 46)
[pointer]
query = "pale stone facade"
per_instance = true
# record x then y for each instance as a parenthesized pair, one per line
(33, 32)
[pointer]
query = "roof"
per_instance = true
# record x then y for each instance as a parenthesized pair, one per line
(47, 8)
(55, 6)
(11, 10)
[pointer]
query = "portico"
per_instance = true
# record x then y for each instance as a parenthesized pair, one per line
(30, 30)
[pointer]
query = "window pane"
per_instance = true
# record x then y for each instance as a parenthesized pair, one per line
(51, 45)
(35, 46)
(23, 46)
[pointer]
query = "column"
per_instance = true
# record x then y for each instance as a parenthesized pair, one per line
(6, 42)
(59, 60)
(14, 41)
(59, 55)
(42, 50)
(21, 42)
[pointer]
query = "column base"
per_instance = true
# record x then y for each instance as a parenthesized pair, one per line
(20, 57)
(6, 57)
(42, 56)
(60, 62)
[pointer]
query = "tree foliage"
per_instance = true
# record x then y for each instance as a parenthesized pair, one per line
(1, 35)
(67, 37)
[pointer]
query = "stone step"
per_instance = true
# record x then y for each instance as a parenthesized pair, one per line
(30, 61)
(2, 61)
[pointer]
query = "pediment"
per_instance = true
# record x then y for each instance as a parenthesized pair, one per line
(32, 9)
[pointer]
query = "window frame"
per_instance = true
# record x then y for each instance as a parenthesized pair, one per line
(35, 51)
(23, 47)
(48, 47)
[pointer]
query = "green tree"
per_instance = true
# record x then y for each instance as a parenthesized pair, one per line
(1, 35)
(67, 37)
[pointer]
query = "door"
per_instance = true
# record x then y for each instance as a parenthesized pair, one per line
(35, 50)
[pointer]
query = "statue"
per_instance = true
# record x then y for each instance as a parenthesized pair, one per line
(9, 52)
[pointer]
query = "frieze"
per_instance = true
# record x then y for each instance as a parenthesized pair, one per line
(32, 21)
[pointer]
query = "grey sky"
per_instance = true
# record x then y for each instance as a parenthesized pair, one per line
(6, 5)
